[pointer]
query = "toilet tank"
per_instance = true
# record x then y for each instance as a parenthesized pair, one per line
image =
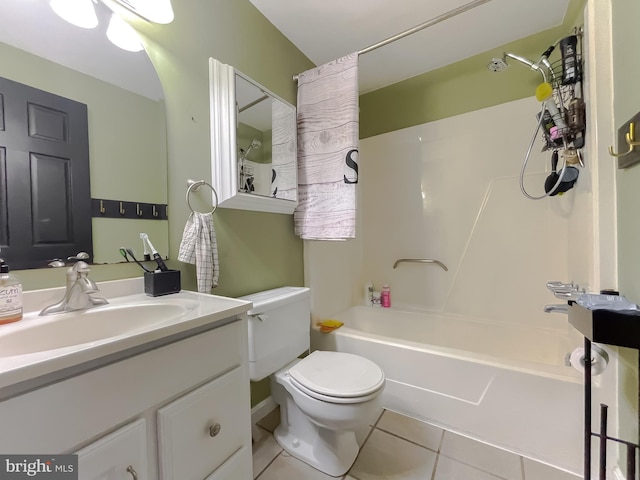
(279, 328)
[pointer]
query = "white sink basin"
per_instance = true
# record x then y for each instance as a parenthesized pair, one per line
(93, 325)
(37, 347)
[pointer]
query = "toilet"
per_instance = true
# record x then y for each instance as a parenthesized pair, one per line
(327, 399)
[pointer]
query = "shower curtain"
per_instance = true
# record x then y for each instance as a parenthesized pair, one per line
(328, 130)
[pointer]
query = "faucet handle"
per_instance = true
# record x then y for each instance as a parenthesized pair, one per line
(78, 256)
(565, 290)
(81, 267)
(56, 262)
(554, 285)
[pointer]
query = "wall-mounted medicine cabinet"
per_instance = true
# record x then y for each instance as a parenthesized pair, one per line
(253, 143)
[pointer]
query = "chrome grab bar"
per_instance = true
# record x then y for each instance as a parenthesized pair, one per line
(421, 260)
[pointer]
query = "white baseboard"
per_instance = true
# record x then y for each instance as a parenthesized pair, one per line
(262, 409)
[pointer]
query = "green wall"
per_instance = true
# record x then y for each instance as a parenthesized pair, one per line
(257, 250)
(461, 87)
(626, 38)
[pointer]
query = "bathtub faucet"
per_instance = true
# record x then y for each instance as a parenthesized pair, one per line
(562, 308)
(421, 260)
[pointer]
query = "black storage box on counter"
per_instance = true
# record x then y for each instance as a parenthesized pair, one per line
(161, 283)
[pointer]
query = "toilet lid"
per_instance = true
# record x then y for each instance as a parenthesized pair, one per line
(338, 374)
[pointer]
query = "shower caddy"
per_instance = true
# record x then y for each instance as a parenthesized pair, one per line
(617, 329)
(562, 117)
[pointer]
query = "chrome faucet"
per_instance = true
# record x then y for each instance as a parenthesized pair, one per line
(562, 308)
(78, 294)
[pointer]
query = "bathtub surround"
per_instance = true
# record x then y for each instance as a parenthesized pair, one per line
(456, 198)
(328, 150)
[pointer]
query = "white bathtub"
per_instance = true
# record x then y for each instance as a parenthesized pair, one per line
(503, 385)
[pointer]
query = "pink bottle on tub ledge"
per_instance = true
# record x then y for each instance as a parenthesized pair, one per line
(386, 296)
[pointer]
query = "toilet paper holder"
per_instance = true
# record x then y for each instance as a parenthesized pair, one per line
(599, 359)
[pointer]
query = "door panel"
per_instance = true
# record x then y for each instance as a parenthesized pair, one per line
(44, 185)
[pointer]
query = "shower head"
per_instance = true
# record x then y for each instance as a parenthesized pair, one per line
(255, 143)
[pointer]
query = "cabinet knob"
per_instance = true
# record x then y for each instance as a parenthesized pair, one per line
(133, 472)
(214, 430)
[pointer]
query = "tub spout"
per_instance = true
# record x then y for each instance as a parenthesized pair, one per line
(561, 308)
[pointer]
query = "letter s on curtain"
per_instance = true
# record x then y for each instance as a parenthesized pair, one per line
(353, 165)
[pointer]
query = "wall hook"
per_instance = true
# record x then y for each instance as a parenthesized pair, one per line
(121, 209)
(630, 138)
(102, 209)
(154, 211)
(138, 210)
(614, 154)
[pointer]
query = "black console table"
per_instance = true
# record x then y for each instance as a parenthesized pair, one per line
(611, 328)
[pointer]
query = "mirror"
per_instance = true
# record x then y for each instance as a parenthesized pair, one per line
(126, 114)
(254, 155)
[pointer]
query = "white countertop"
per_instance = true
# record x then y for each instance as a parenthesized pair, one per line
(197, 311)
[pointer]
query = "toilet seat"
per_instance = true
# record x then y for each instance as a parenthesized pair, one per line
(337, 377)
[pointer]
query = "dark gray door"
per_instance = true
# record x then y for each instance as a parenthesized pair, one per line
(45, 200)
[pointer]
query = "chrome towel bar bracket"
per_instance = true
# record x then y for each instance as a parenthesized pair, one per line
(421, 260)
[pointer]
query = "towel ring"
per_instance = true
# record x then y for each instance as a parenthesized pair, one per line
(195, 185)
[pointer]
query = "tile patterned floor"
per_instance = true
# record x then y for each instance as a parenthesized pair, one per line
(401, 448)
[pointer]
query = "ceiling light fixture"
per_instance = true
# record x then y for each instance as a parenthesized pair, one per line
(80, 13)
(156, 11)
(122, 35)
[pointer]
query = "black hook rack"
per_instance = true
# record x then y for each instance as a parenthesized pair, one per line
(103, 208)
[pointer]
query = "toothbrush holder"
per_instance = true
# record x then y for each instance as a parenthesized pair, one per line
(161, 283)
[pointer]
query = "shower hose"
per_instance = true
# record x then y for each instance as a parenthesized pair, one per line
(526, 160)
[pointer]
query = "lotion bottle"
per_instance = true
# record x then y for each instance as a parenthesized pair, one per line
(10, 296)
(386, 296)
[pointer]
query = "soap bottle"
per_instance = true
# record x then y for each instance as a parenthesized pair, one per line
(385, 296)
(10, 296)
(368, 294)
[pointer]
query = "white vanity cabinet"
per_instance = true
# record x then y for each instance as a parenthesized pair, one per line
(180, 410)
(117, 456)
(197, 432)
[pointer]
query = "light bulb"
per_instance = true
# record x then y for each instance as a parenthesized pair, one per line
(156, 11)
(80, 13)
(121, 34)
